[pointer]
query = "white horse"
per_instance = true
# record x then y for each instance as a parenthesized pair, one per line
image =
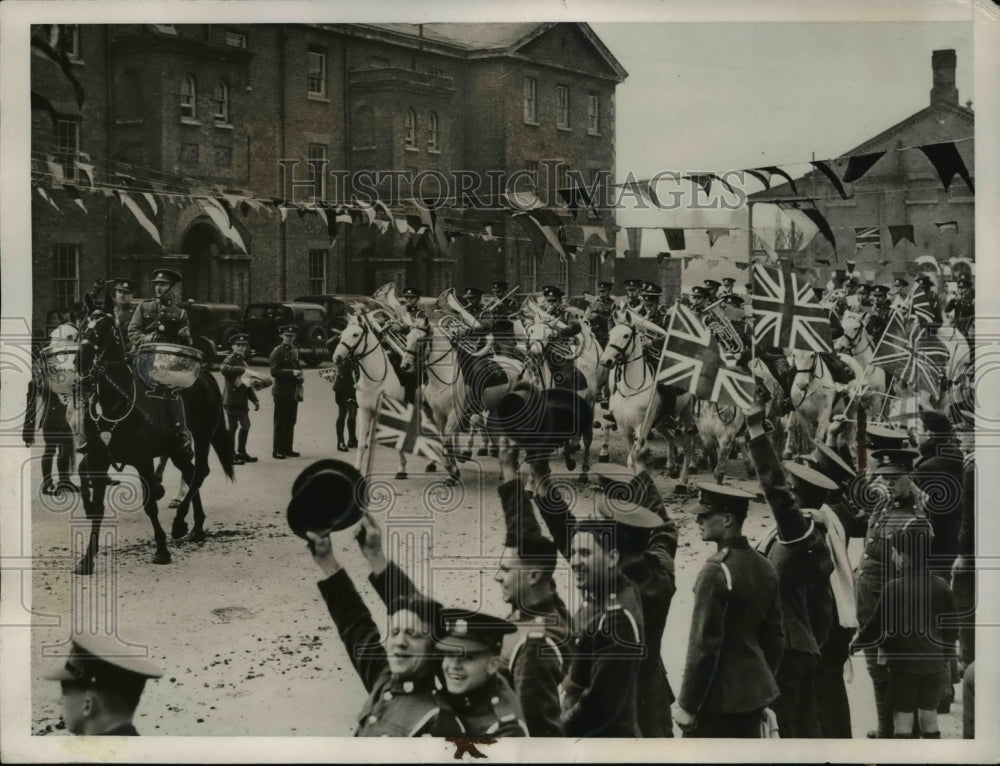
(872, 384)
(813, 392)
(444, 392)
(585, 357)
(358, 340)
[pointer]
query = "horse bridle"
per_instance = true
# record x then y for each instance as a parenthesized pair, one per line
(98, 374)
(852, 340)
(353, 350)
(811, 372)
(622, 360)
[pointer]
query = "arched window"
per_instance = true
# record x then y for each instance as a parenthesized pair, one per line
(410, 135)
(221, 102)
(432, 132)
(189, 90)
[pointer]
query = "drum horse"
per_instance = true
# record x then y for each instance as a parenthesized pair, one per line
(122, 422)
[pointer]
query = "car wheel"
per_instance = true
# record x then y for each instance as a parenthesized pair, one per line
(316, 344)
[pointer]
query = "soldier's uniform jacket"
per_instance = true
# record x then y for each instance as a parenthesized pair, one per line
(492, 708)
(887, 520)
(799, 554)
(659, 315)
(394, 708)
(123, 318)
(284, 362)
(168, 315)
(877, 320)
(737, 634)
(234, 396)
(418, 317)
(500, 309)
(534, 664)
(964, 311)
(603, 306)
(631, 303)
(653, 577)
(606, 653)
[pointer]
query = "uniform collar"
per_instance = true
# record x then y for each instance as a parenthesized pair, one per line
(733, 542)
(477, 696)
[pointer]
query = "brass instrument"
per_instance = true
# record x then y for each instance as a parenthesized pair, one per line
(457, 321)
(715, 319)
(387, 329)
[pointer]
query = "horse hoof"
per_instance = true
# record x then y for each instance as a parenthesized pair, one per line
(84, 567)
(604, 458)
(198, 536)
(159, 492)
(401, 475)
(178, 530)
(431, 468)
(570, 463)
(161, 557)
(673, 473)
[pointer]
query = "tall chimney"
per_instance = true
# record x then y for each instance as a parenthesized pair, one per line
(944, 90)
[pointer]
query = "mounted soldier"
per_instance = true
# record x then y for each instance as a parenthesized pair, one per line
(632, 299)
(498, 314)
(881, 311)
(123, 309)
(963, 306)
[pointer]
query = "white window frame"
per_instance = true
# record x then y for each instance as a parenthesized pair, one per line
(562, 107)
(594, 113)
(58, 251)
(67, 144)
(316, 75)
(189, 98)
(530, 93)
(595, 270)
(236, 39)
(72, 44)
(317, 152)
(410, 129)
(222, 102)
(317, 284)
(432, 132)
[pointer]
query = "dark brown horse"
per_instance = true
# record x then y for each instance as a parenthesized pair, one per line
(125, 426)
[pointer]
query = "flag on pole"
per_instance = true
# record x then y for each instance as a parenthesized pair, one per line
(922, 307)
(398, 425)
(894, 350)
(909, 350)
(786, 313)
(692, 361)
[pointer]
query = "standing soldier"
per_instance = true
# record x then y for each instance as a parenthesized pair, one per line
(346, 396)
(287, 373)
(59, 453)
(737, 637)
(123, 309)
(237, 397)
(101, 688)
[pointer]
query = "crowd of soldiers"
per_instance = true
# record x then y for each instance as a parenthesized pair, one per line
(772, 625)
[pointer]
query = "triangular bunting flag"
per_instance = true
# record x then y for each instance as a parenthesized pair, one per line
(140, 217)
(47, 198)
(761, 175)
(899, 233)
(675, 239)
(714, 234)
(825, 169)
(74, 194)
(860, 164)
(947, 162)
(704, 180)
(775, 170)
(540, 235)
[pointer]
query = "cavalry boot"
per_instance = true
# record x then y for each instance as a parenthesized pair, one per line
(241, 451)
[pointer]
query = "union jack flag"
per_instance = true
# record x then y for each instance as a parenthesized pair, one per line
(398, 425)
(867, 235)
(907, 349)
(692, 361)
(922, 307)
(786, 314)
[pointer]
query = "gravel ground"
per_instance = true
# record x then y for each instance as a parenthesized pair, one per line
(237, 622)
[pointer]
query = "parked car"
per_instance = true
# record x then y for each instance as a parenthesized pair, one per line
(339, 308)
(262, 320)
(212, 325)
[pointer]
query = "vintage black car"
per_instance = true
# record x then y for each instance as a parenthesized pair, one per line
(339, 308)
(212, 325)
(262, 320)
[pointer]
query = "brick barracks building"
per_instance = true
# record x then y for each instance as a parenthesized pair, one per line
(233, 108)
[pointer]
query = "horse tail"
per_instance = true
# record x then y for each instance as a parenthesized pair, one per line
(223, 446)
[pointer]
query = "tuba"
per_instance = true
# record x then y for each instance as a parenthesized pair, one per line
(456, 322)
(715, 319)
(387, 329)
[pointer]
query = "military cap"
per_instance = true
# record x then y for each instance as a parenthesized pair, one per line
(894, 461)
(472, 292)
(625, 512)
(123, 284)
(878, 437)
(964, 279)
(719, 498)
(924, 280)
(733, 299)
(99, 661)
(605, 285)
(463, 632)
(327, 496)
(866, 287)
(900, 282)
(169, 276)
(830, 464)
(712, 284)
(818, 291)
(551, 291)
(240, 337)
(699, 292)
(880, 290)
(633, 284)
(288, 329)
(730, 281)
(611, 472)
(500, 285)
(412, 292)
(650, 290)
(809, 485)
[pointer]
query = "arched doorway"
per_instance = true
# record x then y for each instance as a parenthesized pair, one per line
(212, 273)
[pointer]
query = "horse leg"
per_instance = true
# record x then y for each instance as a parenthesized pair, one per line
(93, 481)
(587, 439)
(604, 455)
(145, 469)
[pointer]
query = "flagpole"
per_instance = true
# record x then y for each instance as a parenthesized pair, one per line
(647, 418)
